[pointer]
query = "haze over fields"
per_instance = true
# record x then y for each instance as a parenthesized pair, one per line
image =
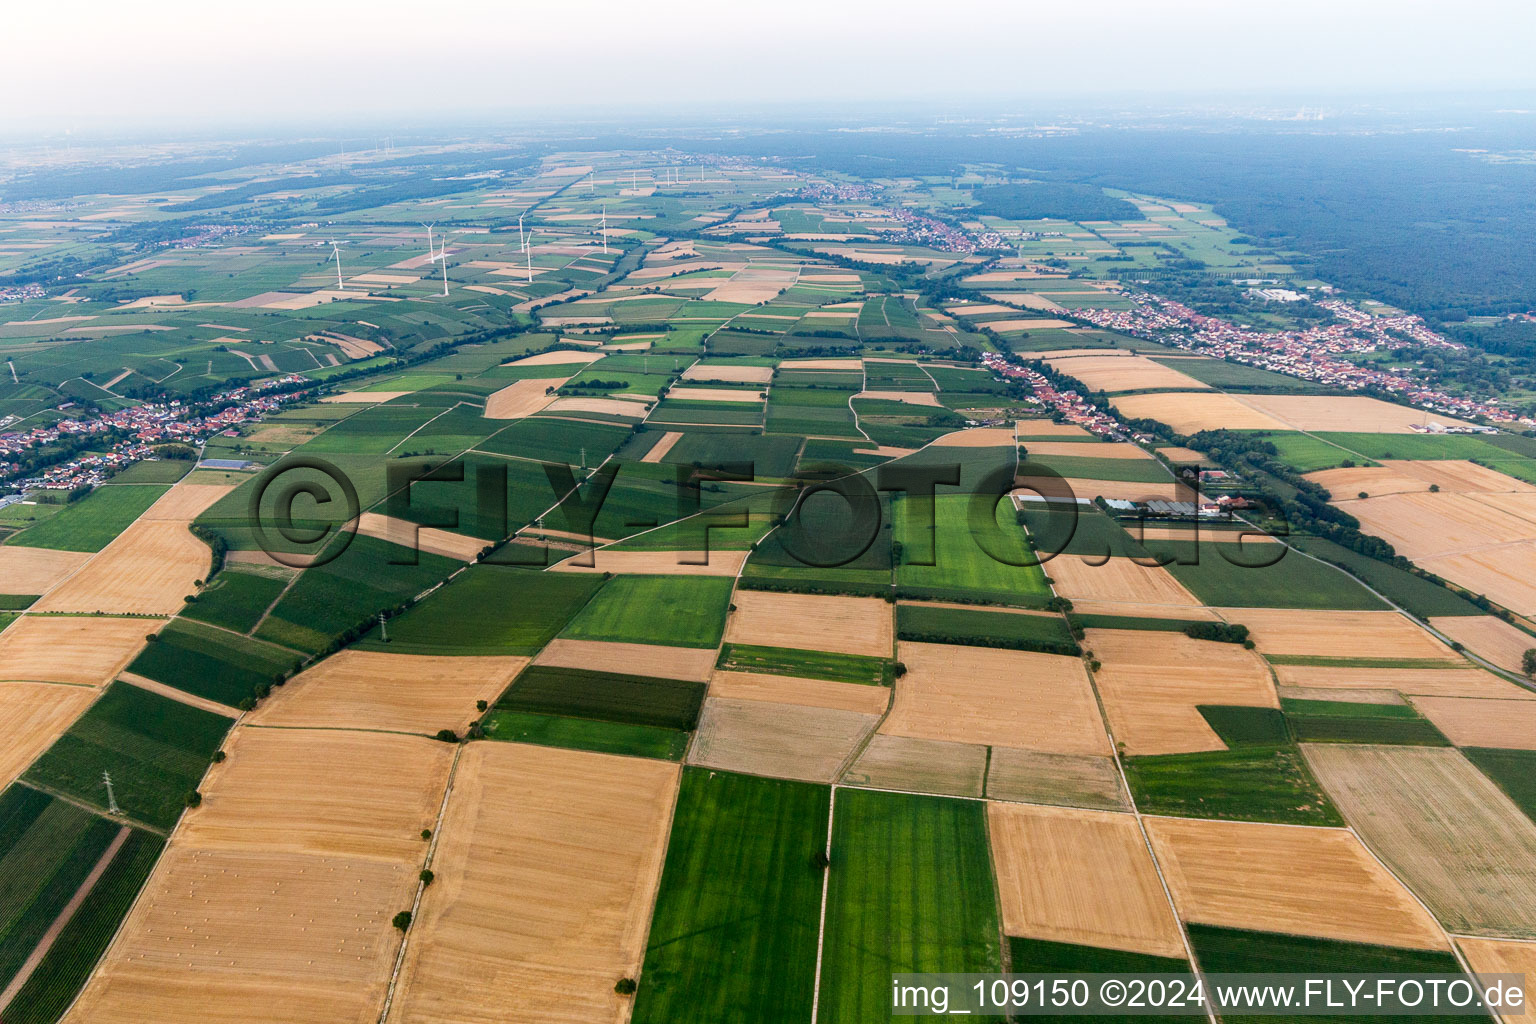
(684, 514)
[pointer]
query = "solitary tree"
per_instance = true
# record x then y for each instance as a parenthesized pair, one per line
(402, 920)
(1528, 662)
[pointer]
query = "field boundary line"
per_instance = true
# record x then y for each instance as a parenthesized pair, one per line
(45, 944)
(1444, 931)
(826, 887)
(421, 885)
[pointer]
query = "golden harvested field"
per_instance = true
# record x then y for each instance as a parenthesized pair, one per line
(996, 697)
(1152, 683)
(1092, 449)
(273, 902)
(717, 395)
(1487, 637)
(1346, 413)
(148, 569)
(1458, 475)
(693, 663)
(1128, 490)
(1448, 682)
(1339, 634)
(1069, 780)
(821, 364)
(1504, 574)
(1347, 482)
(420, 538)
(1049, 428)
(397, 692)
(1141, 610)
(1470, 722)
(560, 357)
(814, 693)
(1201, 536)
(524, 922)
(656, 563)
(521, 398)
(1492, 956)
(1448, 832)
(36, 570)
(847, 625)
(71, 649)
(1283, 878)
(628, 409)
(661, 447)
(1123, 373)
(909, 397)
(730, 374)
(230, 936)
(1178, 455)
(976, 437)
(1084, 877)
(1423, 525)
(787, 741)
(920, 766)
(753, 285)
(184, 502)
(1120, 580)
(364, 397)
(322, 792)
(1341, 695)
(1191, 412)
(32, 716)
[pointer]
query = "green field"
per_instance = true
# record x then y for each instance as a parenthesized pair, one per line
(733, 937)
(676, 611)
(91, 523)
(1322, 721)
(978, 628)
(1261, 777)
(211, 663)
(47, 848)
(1294, 581)
(237, 599)
(784, 661)
(154, 471)
(606, 696)
(81, 943)
(156, 749)
(1513, 770)
(1232, 951)
(1421, 597)
(1088, 467)
(344, 596)
(1040, 956)
(974, 551)
(587, 734)
(491, 609)
(899, 866)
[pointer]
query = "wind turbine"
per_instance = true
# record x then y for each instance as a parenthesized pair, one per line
(605, 229)
(424, 224)
(336, 255)
(528, 251)
(443, 257)
(522, 239)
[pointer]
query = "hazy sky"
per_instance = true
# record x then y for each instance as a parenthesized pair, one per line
(79, 63)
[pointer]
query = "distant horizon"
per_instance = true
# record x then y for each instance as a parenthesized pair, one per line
(190, 65)
(1411, 110)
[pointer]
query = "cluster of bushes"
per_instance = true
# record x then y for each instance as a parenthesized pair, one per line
(1221, 632)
